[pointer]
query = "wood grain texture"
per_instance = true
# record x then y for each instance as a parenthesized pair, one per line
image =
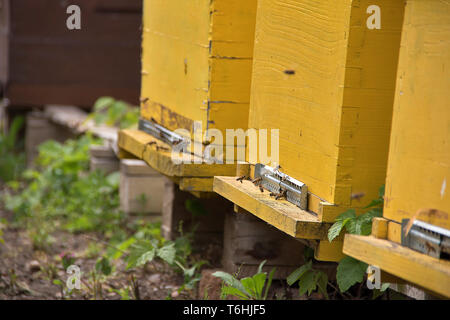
(329, 251)
(279, 213)
(425, 271)
(50, 64)
(157, 155)
(197, 62)
(327, 82)
(419, 160)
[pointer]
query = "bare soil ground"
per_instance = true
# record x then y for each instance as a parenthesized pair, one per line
(26, 273)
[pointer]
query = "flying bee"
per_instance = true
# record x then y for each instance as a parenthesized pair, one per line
(357, 196)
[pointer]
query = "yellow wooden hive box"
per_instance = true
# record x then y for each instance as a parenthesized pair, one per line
(324, 75)
(418, 175)
(419, 156)
(196, 62)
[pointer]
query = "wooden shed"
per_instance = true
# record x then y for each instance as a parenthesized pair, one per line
(412, 240)
(43, 62)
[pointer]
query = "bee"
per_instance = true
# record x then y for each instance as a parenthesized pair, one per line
(241, 178)
(278, 167)
(290, 72)
(161, 148)
(357, 196)
(261, 189)
(429, 247)
(151, 143)
(281, 195)
(144, 100)
(256, 180)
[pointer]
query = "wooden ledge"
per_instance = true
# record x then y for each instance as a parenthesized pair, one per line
(425, 271)
(279, 213)
(192, 177)
(158, 155)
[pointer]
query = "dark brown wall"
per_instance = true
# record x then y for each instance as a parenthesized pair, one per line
(49, 64)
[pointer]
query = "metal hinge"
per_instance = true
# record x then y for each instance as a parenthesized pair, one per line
(275, 181)
(427, 238)
(160, 132)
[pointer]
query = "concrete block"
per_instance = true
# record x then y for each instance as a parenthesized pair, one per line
(141, 188)
(103, 158)
(39, 130)
(206, 215)
(249, 240)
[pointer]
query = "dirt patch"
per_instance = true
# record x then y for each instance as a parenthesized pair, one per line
(26, 273)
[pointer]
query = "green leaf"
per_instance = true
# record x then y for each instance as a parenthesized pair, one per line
(113, 179)
(269, 283)
(250, 286)
(294, 276)
(122, 247)
(261, 265)
(335, 230)
(377, 293)
(146, 257)
(58, 282)
(167, 253)
(231, 281)
(349, 272)
(349, 214)
(307, 283)
(103, 266)
(259, 280)
(227, 290)
(103, 103)
(322, 283)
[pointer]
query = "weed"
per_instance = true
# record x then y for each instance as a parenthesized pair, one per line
(12, 159)
(249, 288)
(351, 271)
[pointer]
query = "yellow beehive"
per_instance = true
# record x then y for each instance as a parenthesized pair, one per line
(323, 74)
(196, 62)
(418, 175)
(326, 81)
(419, 156)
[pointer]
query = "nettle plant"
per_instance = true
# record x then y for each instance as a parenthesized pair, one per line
(351, 271)
(309, 279)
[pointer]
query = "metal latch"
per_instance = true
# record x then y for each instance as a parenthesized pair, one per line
(275, 181)
(427, 238)
(160, 132)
